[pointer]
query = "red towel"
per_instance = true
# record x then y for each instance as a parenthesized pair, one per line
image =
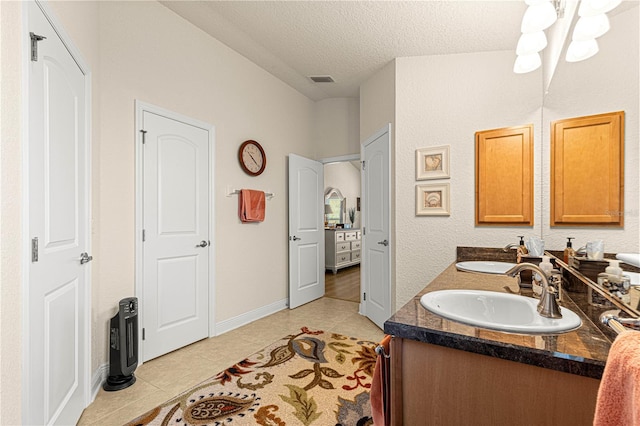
(380, 387)
(251, 205)
(618, 401)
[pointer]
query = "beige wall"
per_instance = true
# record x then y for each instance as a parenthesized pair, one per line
(336, 127)
(10, 212)
(149, 53)
(346, 177)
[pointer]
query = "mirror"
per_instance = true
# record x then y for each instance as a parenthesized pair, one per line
(334, 207)
(604, 83)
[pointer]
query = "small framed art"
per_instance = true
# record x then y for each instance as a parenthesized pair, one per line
(432, 163)
(432, 200)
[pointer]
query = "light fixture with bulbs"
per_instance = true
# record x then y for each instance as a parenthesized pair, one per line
(541, 14)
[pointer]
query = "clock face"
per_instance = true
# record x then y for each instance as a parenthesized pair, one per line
(252, 157)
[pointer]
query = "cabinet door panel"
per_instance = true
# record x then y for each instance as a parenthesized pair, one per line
(504, 176)
(587, 170)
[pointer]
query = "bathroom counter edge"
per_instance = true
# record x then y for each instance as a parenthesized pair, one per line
(582, 352)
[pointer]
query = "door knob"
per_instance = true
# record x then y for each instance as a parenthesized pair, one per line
(383, 242)
(203, 243)
(294, 238)
(85, 258)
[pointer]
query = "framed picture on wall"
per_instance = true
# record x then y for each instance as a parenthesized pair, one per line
(432, 163)
(432, 200)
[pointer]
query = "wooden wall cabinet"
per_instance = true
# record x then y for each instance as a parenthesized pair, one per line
(504, 176)
(587, 171)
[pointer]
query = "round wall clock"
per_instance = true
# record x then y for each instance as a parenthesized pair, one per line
(252, 158)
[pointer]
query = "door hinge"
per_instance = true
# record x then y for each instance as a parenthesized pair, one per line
(362, 164)
(144, 136)
(35, 38)
(142, 333)
(144, 235)
(34, 249)
(364, 296)
(364, 230)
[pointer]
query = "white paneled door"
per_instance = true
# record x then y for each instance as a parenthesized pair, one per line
(58, 284)
(306, 230)
(376, 258)
(175, 293)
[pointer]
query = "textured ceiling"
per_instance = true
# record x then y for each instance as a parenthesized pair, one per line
(351, 40)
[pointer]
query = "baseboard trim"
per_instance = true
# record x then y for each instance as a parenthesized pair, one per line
(98, 378)
(240, 320)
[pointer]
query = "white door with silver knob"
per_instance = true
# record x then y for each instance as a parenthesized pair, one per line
(175, 294)
(376, 253)
(56, 383)
(306, 230)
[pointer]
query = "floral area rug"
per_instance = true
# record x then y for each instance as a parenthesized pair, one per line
(308, 378)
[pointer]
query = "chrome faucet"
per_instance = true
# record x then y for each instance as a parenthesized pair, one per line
(510, 246)
(548, 306)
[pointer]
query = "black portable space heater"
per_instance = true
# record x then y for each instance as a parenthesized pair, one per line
(123, 346)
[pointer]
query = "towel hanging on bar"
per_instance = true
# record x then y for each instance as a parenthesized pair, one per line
(380, 395)
(251, 205)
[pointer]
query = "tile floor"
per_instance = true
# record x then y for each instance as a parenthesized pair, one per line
(163, 378)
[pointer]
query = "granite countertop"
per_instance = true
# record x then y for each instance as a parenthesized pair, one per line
(582, 352)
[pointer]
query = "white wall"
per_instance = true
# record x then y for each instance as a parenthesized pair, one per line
(604, 83)
(345, 177)
(336, 127)
(444, 100)
(10, 213)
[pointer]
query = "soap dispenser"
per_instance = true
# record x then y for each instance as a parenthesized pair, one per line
(614, 282)
(569, 252)
(522, 248)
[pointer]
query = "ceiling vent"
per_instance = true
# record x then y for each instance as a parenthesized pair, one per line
(322, 79)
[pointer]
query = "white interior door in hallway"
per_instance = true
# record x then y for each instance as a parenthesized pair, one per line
(57, 302)
(176, 233)
(306, 230)
(376, 201)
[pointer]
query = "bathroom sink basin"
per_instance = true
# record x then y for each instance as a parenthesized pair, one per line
(485, 266)
(497, 311)
(634, 278)
(630, 258)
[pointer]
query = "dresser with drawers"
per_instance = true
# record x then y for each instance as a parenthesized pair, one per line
(341, 248)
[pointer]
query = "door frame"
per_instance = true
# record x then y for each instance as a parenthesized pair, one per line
(141, 107)
(344, 159)
(55, 23)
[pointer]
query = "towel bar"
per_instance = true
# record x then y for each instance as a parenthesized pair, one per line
(237, 191)
(619, 325)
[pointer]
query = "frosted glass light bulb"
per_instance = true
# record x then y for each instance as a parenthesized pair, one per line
(581, 50)
(531, 43)
(538, 17)
(527, 63)
(589, 27)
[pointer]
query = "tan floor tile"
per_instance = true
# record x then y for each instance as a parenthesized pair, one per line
(167, 376)
(133, 410)
(107, 402)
